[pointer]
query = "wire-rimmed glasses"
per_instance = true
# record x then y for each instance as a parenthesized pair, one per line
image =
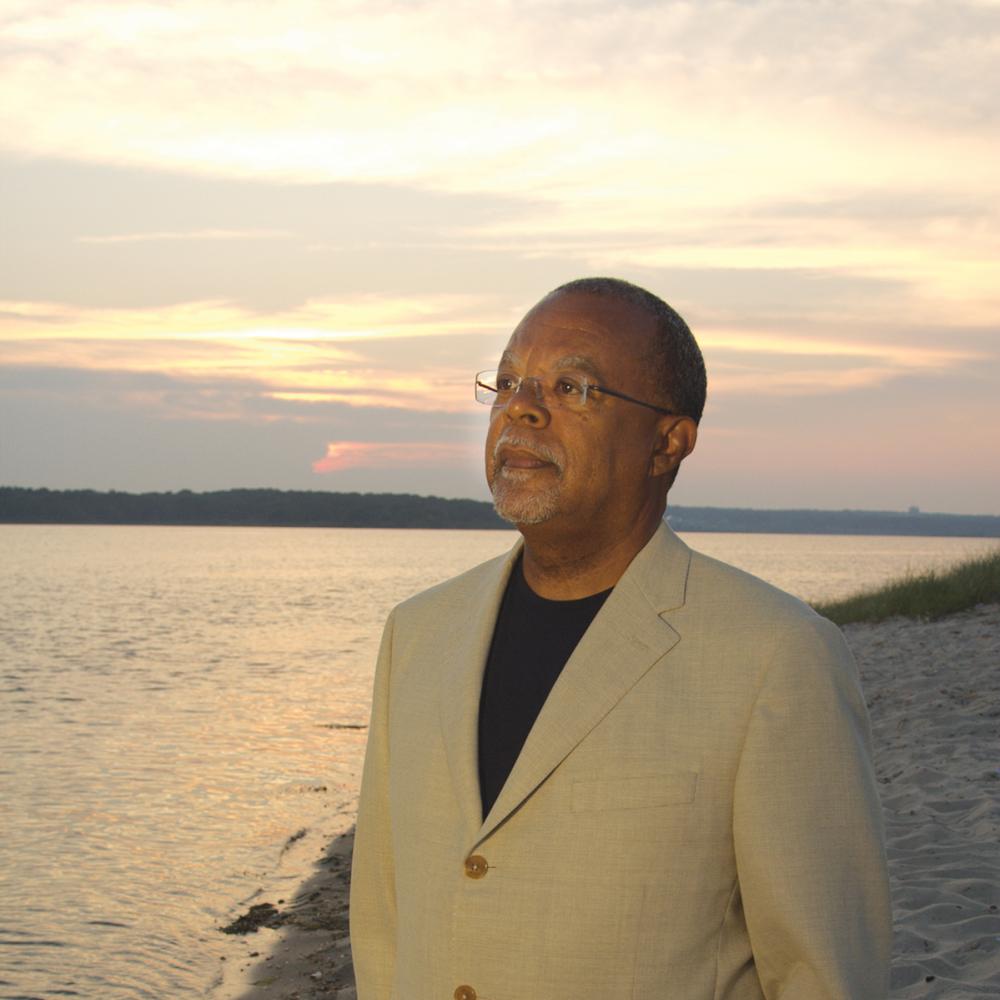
(570, 391)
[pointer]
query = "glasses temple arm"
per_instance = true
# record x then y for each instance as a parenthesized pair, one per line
(632, 399)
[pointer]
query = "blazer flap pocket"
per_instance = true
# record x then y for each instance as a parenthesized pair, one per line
(635, 792)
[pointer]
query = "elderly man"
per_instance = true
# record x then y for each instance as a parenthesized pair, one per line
(603, 765)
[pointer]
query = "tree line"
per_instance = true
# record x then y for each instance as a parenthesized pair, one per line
(264, 507)
(313, 508)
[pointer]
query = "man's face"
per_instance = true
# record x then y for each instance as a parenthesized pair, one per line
(580, 469)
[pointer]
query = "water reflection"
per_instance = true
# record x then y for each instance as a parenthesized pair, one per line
(174, 700)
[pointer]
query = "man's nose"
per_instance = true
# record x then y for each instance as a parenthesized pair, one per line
(528, 403)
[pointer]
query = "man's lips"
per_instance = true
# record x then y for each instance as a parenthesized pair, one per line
(517, 458)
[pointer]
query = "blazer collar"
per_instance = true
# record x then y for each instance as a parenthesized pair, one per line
(463, 663)
(629, 635)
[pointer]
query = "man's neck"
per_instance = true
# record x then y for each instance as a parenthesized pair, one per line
(563, 568)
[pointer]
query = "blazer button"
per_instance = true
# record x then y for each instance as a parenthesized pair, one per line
(465, 993)
(475, 867)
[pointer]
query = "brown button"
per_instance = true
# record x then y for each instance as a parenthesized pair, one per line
(465, 993)
(475, 867)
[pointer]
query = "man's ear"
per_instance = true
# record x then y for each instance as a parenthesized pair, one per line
(676, 439)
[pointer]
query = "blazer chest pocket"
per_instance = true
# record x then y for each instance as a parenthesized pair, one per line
(637, 792)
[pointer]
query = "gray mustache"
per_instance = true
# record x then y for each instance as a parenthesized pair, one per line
(536, 448)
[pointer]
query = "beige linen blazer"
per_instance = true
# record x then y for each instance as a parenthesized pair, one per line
(693, 815)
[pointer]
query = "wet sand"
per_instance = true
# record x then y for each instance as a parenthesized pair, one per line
(933, 690)
(304, 951)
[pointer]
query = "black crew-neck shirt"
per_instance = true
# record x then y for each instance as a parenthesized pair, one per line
(532, 640)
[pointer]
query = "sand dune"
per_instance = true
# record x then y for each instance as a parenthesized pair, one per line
(934, 694)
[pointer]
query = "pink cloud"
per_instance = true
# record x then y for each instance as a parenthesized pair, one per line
(342, 455)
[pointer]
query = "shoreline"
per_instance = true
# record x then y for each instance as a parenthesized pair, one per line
(303, 950)
(933, 692)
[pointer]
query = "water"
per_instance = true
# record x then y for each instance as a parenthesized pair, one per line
(176, 701)
(826, 567)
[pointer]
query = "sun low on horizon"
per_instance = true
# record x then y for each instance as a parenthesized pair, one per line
(247, 245)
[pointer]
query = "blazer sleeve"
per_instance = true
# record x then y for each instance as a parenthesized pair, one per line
(373, 893)
(808, 828)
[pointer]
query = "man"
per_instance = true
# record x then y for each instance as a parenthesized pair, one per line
(604, 766)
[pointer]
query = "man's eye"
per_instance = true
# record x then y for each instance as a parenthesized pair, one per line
(568, 387)
(506, 383)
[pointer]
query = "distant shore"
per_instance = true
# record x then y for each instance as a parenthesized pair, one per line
(933, 691)
(322, 509)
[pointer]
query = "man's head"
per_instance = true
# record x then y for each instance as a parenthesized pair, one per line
(675, 358)
(600, 465)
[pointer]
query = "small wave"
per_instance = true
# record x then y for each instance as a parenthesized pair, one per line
(34, 943)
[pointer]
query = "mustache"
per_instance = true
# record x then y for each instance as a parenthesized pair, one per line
(536, 448)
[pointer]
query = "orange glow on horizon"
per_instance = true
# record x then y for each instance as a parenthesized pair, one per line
(341, 455)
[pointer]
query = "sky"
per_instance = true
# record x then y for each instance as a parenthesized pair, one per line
(268, 245)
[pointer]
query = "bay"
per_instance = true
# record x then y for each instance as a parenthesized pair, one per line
(176, 702)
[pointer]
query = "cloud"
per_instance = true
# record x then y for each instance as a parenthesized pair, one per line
(203, 234)
(313, 363)
(749, 363)
(884, 207)
(319, 321)
(104, 236)
(341, 398)
(360, 259)
(492, 95)
(397, 354)
(53, 414)
(842, 351)
(341, 455)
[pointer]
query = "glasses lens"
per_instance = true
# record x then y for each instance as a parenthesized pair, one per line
(567, 391)
(486, 388)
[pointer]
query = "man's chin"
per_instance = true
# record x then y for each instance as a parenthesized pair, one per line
(525, 510)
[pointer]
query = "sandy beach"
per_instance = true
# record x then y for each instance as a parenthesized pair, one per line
(933, 690)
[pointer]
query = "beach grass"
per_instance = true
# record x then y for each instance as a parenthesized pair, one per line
(929, 595)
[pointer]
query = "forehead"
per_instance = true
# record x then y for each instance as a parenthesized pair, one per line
(603, 334)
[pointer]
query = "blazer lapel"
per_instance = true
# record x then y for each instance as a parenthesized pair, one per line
(625, 639)
(461, 672)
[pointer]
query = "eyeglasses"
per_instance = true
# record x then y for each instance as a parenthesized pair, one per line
(568, 391)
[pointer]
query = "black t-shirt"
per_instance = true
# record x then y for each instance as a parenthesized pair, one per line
(532, 641)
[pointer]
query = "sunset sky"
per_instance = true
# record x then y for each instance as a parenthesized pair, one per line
(259, 244)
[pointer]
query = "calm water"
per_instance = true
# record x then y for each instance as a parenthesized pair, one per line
(171, 709)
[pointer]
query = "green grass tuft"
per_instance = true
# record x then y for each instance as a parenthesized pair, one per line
(929, 595)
